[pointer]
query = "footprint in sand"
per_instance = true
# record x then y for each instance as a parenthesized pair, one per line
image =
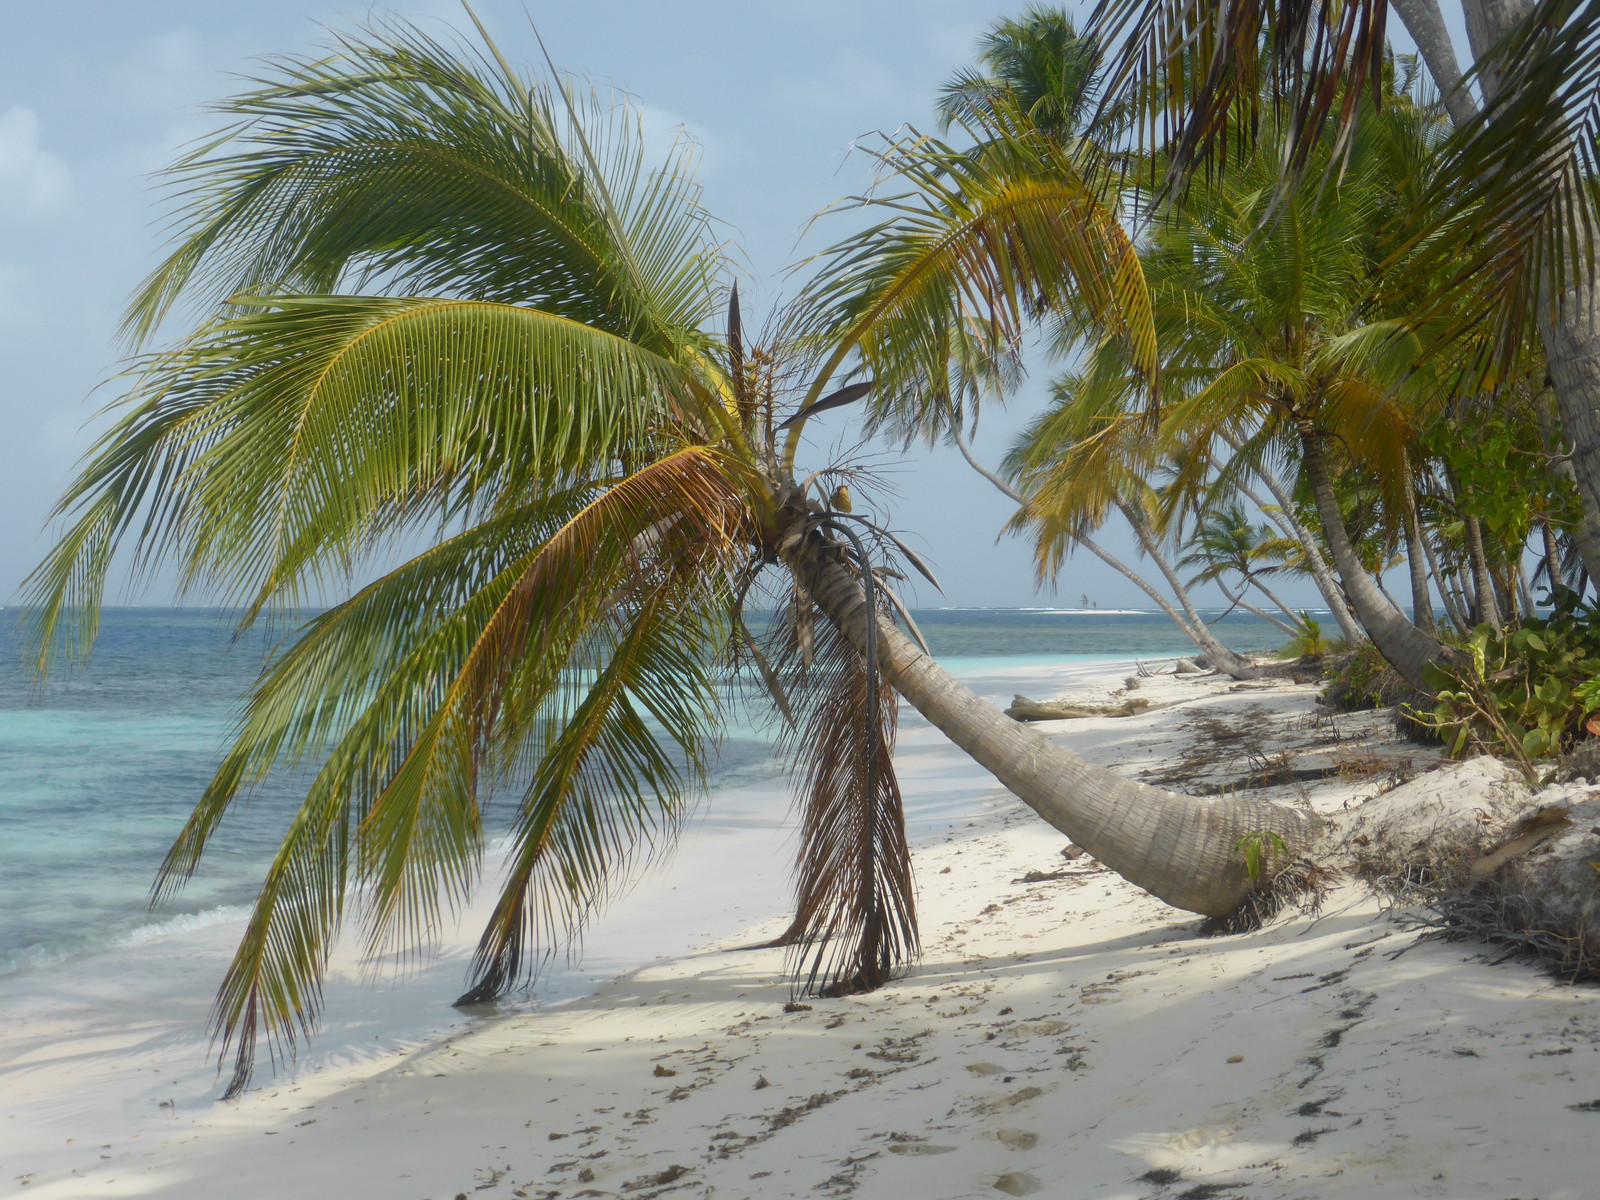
(1012, 1101)
(1017, 1139)
(1018, 1183)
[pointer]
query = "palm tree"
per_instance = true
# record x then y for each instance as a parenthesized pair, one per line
(451, 305)
(1225, 543)
(1509, 219)
(1038, 65)
(1036, 79)
(1272, 349)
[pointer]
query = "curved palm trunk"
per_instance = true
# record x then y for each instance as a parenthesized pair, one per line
(1290, 616)
(1181, 849)
(1241, 602)
(1196, 631)
(1425, 23)
(1218, 655)
(1407, 648)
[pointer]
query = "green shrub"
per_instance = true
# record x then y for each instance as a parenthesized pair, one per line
(1525, 692)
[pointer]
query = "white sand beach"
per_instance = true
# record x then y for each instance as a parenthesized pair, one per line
(1064, 1035)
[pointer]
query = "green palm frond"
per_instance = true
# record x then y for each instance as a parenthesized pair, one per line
(284, 441)
(605, 792)
(1076, 486)
(998, 239)
(676, 524)
(486, 185)
(415, 725)
(346, 679)
(1269, 324)
(1039, 63)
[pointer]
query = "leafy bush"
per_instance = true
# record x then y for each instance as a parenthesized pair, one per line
(1524, 692)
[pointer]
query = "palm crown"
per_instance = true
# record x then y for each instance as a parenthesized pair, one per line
(454, 303)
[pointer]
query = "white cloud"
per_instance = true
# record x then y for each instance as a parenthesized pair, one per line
(33, 181)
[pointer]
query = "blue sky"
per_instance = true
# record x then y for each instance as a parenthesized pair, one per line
(95, 95)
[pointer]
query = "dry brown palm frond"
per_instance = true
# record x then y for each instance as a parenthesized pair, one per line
(1202, 72)
(855, 910)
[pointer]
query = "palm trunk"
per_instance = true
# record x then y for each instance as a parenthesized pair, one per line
(1407, 648)
(1289, 614)
(1524, 593)
(1332, 594)
(1241, 602)
(1425, 23)
(1416, 563)
(1218, 655)
(1448, 592)
(1569, 323)
(1181, 849)
(1463, 590)
(1224, 659)
(1488, 609)
(1558, 448)
(1552, 557)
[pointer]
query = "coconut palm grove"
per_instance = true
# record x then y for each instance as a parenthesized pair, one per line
(1315, 312)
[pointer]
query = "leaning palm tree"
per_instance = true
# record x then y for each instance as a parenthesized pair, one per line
(1224, 543)
(449, 304)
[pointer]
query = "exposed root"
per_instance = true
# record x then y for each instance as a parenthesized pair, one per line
(1526, 922)
(1302, 884)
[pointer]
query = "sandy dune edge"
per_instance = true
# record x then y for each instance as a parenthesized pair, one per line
(1063, 1037)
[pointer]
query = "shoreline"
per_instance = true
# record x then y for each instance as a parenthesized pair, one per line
(92, 1055)
(1063, 1035)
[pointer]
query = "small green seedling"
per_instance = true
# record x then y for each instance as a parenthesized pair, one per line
(1262, 842)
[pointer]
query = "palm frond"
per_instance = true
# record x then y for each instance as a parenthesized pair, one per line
(855, 908)
(487, 185)
(347, 680)
(280, 443)
(606, 792)
(676, 524)
(997, 239)
(1204, 74)
(1038, 63)
(1509, 217)
(396, 804)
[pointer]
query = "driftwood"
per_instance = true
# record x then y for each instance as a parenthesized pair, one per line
(1024, 709)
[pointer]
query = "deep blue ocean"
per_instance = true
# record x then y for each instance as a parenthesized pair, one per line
(99, 769)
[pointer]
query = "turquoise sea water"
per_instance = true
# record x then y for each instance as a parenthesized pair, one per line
(98, 770)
